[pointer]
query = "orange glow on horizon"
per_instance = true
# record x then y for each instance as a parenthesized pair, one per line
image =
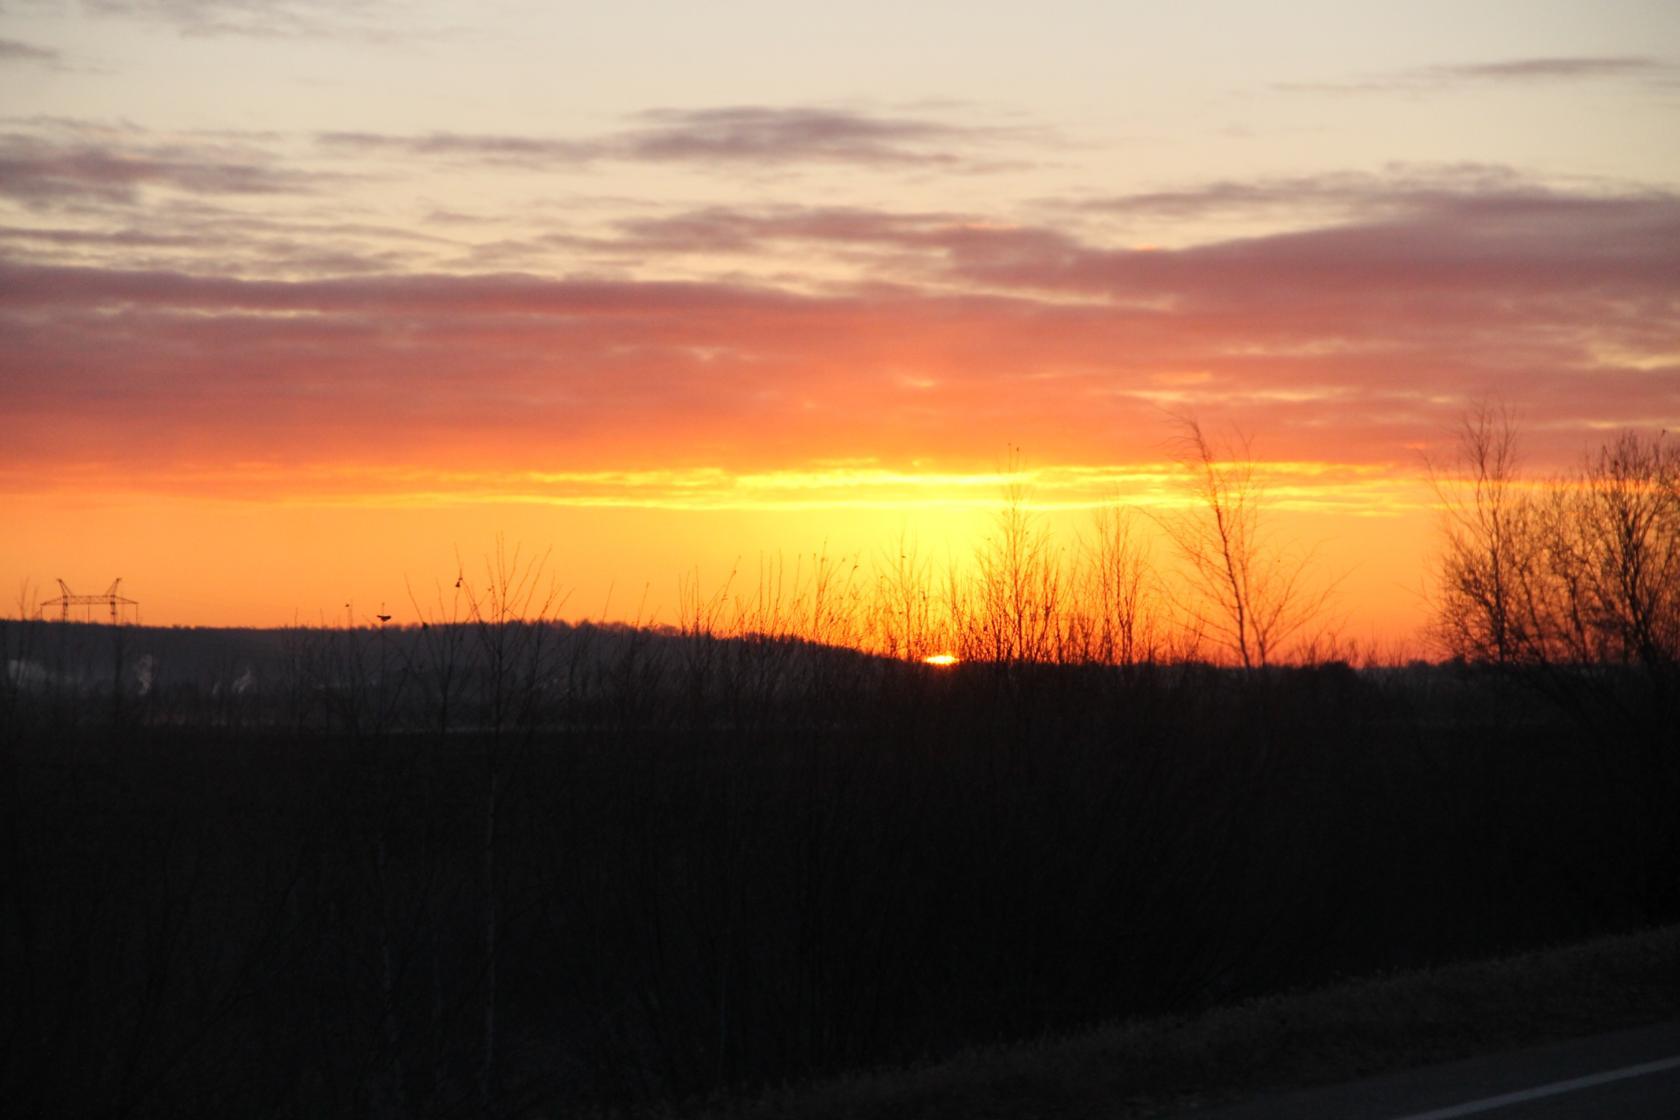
(620, 544)
(864, 484)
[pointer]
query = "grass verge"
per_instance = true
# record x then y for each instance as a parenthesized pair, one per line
(1158, 1067)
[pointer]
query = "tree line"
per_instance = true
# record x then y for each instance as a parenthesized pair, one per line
(1563, 576)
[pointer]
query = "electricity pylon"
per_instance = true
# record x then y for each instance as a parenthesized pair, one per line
(110, 599)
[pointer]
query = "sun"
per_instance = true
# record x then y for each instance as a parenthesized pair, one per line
(940, 659)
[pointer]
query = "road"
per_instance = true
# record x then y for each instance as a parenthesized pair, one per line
(1628, 1075)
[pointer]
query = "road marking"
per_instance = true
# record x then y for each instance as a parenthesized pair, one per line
(1488, 1104)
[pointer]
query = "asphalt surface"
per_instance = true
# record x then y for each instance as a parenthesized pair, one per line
(1627, 1075)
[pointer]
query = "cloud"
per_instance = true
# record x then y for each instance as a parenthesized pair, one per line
(268, 19)
(404, 294)
(113, 167)
(1474, 247)
(1476, 235)
(730, 229)
(173, 237)
(732, 135)
(1356, 339)
(18, 53)
(1553, 69)
(761, 134)
(1501, 72)
(528, 151)
(1399, 187)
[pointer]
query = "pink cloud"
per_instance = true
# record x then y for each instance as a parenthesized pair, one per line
(726, 135)
(1359, 341)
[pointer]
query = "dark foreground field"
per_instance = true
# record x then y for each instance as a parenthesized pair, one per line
(559, 870)
(1358, 1048)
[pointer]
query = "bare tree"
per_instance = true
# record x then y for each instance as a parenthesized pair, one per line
(903, 603)
(1118, 591)
(1576, 571)
(1020, 585)
(1487, 605)
(1248, 593)
(1629, 510)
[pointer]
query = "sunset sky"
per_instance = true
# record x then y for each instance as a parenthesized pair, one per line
(300, 301)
